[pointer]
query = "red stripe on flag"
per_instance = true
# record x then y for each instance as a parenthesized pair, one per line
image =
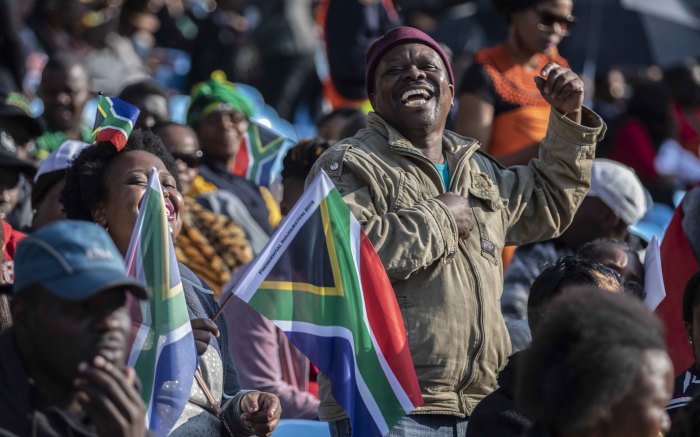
(385, 320)
(114, 136)
(240, 166)
(678, 265)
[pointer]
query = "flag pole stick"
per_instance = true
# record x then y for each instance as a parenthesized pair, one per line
(221, 307)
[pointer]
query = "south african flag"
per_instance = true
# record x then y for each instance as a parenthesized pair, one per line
(114, 121)
(320, 281)
(260, 149)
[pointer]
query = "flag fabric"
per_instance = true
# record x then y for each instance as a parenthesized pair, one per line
(320, 281)
(260, 150)
(678, 264)
(114, 121)
(163, 351)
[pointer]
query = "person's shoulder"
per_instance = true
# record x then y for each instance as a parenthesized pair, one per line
(190, 278)
(497, 414)
(357, 147)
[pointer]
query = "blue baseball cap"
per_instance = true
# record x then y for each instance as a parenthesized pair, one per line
(74, 260)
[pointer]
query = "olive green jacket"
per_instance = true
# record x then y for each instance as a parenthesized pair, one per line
(449, 289)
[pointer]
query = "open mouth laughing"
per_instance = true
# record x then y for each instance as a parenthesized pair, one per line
(416, 96)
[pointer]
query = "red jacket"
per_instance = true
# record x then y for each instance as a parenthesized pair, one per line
(10, 238)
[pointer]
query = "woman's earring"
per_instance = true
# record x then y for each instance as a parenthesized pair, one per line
(690, 340)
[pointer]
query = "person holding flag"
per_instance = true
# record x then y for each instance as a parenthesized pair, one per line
(221, 116)
(439, 213)
(107, 186)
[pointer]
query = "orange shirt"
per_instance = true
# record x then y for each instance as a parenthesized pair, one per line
(521, 114)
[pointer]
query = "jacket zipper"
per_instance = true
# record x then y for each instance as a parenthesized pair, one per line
(479, 342)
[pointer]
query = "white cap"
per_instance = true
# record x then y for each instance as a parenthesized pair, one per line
(620, 189)
(60, 159)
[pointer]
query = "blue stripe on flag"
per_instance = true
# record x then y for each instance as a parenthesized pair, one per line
(336, 363)
(172, 384)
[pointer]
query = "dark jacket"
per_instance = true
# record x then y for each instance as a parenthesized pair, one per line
(23, 411)
(496, 414)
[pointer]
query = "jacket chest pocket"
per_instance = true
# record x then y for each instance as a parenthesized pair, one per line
(487, 207)
(411, 190)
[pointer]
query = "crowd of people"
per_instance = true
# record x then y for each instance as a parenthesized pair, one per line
(515, 205)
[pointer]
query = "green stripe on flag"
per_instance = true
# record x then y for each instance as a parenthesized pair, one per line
(344, 311)
(366, 355)
(104, 107)
(165, 314)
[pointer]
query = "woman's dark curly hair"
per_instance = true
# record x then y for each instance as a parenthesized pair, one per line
(300, 159)
(85, 184)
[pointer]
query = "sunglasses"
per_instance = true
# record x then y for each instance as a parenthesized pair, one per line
(547, 20)
(192, 160)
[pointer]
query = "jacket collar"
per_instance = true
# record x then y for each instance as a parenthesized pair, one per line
(452, 143)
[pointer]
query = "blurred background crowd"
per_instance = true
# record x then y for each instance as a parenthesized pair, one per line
(203, 72)
(298, 61)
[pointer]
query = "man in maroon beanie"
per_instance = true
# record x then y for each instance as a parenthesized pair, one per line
(439, 212)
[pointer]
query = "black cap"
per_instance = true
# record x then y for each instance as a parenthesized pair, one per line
(9, 160)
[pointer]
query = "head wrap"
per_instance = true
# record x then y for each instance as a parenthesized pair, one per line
(216, 94)
(393, 38)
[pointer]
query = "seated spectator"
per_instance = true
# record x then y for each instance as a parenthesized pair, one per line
(295, 168)
(18, 128)
(49, 181)
(497, 415)
(151, 100)
(341, 123)
(617, 255)
(64, 90)
(15, 174)
(597, 366)
(616, 200)
(687, 384)
(219, 115)
(9, 238)
(106, 187)
(212, 245)
(63, 369)
(264, 357)
(645, 126)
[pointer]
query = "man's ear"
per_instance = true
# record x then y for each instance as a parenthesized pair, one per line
(371, 99)
(452, 91)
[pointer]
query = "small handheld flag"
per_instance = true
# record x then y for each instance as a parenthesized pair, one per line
(114, 121)
(260, 149)
(163, 350)
(320, 281)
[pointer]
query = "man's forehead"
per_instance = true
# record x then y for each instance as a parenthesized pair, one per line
(410, 48)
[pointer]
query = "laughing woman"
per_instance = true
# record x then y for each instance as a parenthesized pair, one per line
(106, 187)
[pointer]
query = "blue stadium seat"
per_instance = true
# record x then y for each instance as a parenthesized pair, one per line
(298, 428)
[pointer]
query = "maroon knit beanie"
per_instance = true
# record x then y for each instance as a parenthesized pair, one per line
(393, 38)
